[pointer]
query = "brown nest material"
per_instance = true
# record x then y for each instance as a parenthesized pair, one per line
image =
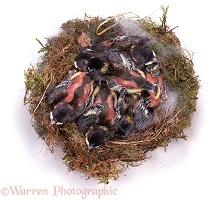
(111, 159)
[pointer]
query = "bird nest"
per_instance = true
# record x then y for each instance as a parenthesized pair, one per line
(170, 118)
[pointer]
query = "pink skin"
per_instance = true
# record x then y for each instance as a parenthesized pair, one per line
(83, 98)
(134, 73)
(107, 43)
(125, 83)
(111, 112)
(76, 84)
(135, 105)
(98, 100)
(154, 102)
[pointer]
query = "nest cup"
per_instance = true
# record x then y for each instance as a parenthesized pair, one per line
(170, 119)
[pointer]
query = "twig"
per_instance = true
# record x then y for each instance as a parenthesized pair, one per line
(106, 29)
(40, 43)
(111, 26)
(42, 96)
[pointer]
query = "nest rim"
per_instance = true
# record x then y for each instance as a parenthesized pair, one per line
(113, 158)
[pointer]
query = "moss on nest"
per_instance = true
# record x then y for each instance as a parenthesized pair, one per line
(111, 159)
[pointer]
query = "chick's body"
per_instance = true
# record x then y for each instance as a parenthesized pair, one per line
(112, 92)
(105, 97)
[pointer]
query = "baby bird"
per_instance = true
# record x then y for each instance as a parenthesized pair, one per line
(97, 136)
(71, 97)
(91, 57)
(154, 74)
(62, 114)
(132, 80)
(103, 95)
(89, 117)
(119, 59)
(59, 93)
(154, 97)
(64, 92)
(123, 126)
(154, 68)
(142, 54)
(142, 115)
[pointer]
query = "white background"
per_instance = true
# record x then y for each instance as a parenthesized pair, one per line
(180, 173)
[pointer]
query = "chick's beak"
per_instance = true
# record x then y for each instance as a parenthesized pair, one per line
(51, 119)
(52, 122)
(90, 148)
